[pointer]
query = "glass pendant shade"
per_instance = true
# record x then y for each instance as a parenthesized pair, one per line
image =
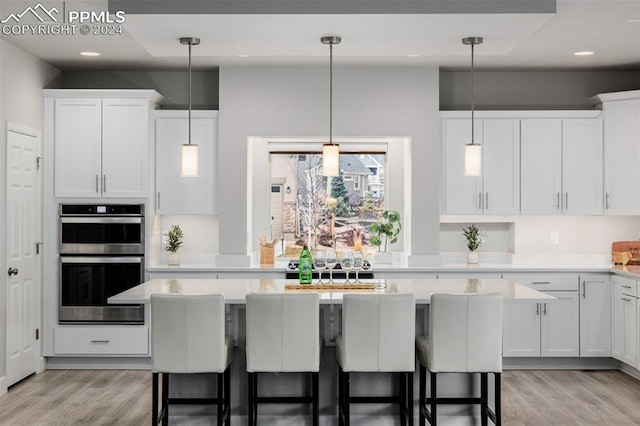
(189, 160)
(473, 159)
(330, 159)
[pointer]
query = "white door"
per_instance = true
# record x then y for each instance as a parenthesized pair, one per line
(276, 211)
(501, 166)
(521, 330)
(582, 152)
(595, 316)
(559, 326)
(23, 230)
(541, 166)
(125, 147)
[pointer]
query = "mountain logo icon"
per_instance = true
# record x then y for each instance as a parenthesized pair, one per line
(39, 11)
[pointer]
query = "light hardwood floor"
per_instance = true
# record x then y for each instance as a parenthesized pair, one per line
(123, 397)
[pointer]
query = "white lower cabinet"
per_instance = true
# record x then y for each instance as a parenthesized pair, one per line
(625, 320)
(595, 316)
(107, 340)
(543, 329)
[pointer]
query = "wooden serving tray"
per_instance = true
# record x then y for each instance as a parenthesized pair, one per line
(333, 286)
(627, 246)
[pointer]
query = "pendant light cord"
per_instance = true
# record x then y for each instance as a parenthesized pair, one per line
(190, 93)
(472, 100)
(331, 94)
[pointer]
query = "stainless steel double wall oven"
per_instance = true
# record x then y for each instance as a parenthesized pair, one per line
(101, 251)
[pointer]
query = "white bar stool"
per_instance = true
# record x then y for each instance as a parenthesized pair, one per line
(378, 334)
(283, 335)
(188, 336)
(465, 336)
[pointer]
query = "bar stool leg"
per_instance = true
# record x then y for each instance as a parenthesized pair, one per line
(498, 402)
(165, 399)
(340, 395)
(422, 390)
(346, 401)
(434, 399)
(484, 395)
(154, 399)
(410, 397)
(250, 395)
(403, 399)
(227, 395)
(315, 380)
(220, 399)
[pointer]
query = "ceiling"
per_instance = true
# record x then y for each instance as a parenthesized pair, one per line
(531, 41)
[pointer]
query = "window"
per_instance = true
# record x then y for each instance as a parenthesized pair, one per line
(328, 211)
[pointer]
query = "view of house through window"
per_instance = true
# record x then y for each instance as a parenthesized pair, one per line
(307, 207)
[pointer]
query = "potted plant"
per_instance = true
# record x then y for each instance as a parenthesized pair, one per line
(475, 238)
(385, 231)
(174, 241)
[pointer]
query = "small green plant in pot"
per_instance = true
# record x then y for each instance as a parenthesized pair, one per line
(174, 241)
(386, 230)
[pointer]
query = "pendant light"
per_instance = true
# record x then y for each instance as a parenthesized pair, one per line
(189, 150)
(473, 150)
(330, 151)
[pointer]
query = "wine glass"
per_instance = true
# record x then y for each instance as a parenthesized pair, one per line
(331, 261)
(320, 262)
(346, 262)
(358, 262)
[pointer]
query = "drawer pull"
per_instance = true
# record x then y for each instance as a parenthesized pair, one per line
(541, 282)
(627, 286)
(100, 341)
(625, 299)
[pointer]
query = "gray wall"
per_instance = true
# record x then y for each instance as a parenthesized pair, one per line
(22, 78)
(173, 85)
(293, 102)
(500, 90)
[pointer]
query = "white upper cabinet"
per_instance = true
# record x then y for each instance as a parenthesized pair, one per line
(497, 190)
(101, 141)
(621, 151)
(561, 163)
(185, 195)
(541, 166)
(582, 166)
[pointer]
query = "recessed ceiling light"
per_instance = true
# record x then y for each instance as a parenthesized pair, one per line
(635, 20)
(413, 55)
(243, 56)
(90, 53)
(583, 53)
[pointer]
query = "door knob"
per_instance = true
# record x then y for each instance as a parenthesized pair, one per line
(12, 271)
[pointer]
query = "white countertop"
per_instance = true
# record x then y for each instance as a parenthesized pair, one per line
(235, 290)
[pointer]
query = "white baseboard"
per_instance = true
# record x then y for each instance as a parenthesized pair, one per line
(3, 385)
(630, 370)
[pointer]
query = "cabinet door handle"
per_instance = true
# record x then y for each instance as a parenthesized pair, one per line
(606, 201)
(584, 290)
(479, 200)
(541, 282)
(537, 309)
(625, 299)
(545, 309)
(558, 201)
(566, 200)
(486, 200)
(158, 200)
(627, 286)
(104, 183)
(97, 184)
(100, 341)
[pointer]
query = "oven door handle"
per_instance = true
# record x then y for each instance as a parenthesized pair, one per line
(107, 220)
(100, 259)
